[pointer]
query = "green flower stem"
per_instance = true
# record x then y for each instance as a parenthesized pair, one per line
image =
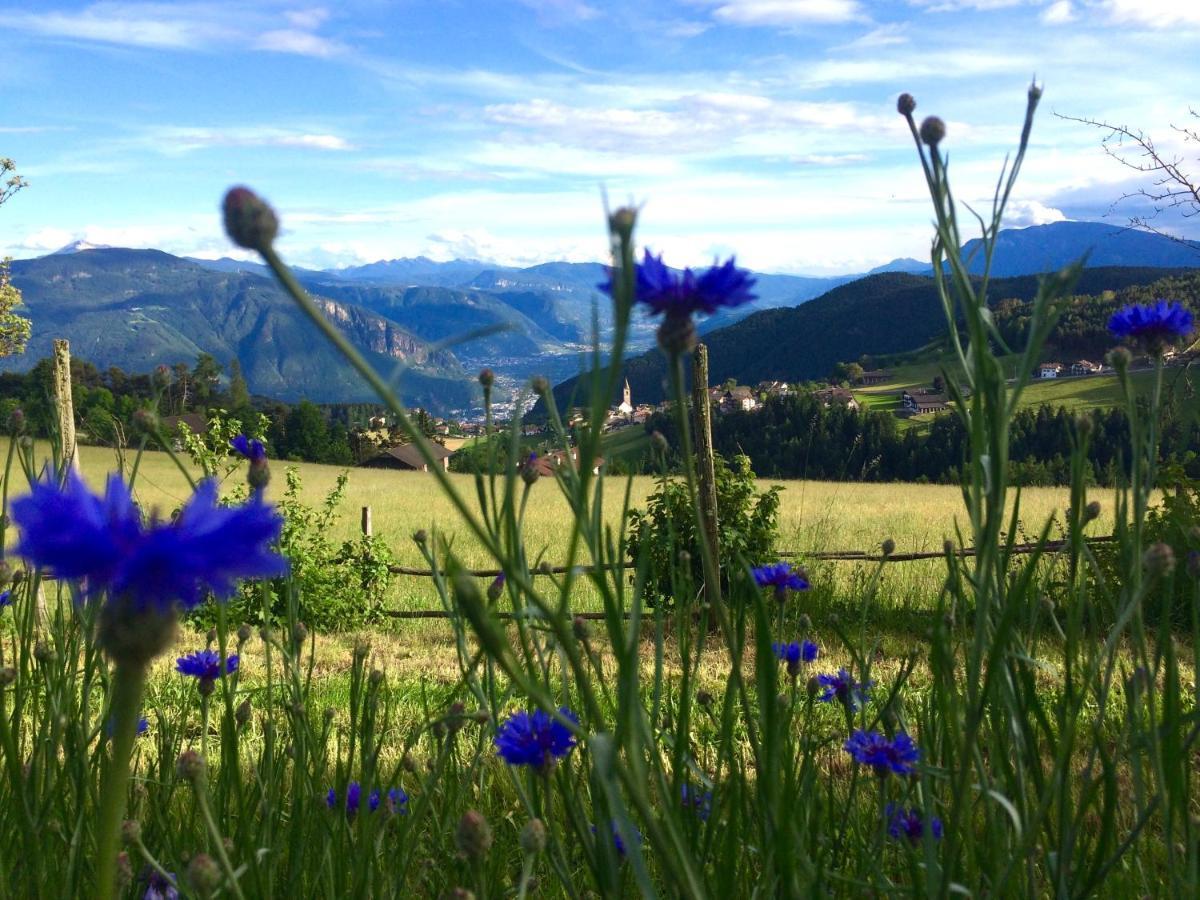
(217, 840)
(129, 682)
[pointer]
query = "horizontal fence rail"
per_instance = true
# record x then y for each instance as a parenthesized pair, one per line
(822, 555)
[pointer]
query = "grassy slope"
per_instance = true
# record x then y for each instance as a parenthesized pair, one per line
(1082, 393)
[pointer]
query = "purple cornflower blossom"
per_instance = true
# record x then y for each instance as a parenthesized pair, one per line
(700, 801)
(205, 665)
(251, 448)
(795, 654)
(844, 689)
(687, 292)
(353, 798)
(397, 801)
(534, 739)
(910, 823)
(207, 548)
(158, 885)
(143, 725)
(872, 749)
(781, 577)
(1153, 324)
(496, 588)
(618, 841)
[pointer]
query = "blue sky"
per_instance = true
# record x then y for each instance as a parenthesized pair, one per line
(489, 129)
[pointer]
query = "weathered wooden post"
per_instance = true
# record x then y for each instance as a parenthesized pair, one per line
(366, 521)
(63, 400)
(705, 472)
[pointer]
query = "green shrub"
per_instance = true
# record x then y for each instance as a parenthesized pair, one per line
(747, 522)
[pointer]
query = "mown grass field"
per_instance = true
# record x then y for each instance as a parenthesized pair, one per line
(813, 516)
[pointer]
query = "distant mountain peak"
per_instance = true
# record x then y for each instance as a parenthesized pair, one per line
(80, 247)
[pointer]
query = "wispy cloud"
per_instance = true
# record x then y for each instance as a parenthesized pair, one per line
(786, 12)
(213, 25)
(183, 139)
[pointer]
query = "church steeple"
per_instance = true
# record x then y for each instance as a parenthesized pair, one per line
(626, 406)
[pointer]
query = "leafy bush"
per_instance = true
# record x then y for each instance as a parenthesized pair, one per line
(747, 522)
(337, 586)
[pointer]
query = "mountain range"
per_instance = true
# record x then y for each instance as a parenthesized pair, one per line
(438, 323)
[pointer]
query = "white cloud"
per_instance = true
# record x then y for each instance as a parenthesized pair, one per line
(181, 139)
(1023, 213)
(560, 10)
(301, 43)
(215, 24)
(786, 12)
(1059, 13)
(1153, 13)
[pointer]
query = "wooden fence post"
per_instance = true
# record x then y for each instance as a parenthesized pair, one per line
(705, 472)
(366, 521)
(64, 401)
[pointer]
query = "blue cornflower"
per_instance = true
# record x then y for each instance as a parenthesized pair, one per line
(207, 548)
(781, 577)
(1155, 323)
(796, 654)
(618, 841)
(205, 665)
(804, 651)
(844, 689)
(251, 448)
(158, 885)
(143, 725)
(910, 823)
(872, 749)
(397, 801)
(687, 292)
(534, 739)
(5, 599)
(700, 801)
(353, 798)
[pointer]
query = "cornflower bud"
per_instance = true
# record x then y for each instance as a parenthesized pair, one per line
(124, 872)
(813, 687)
(1159, 559)
(191, 767)
(43, 653)
(804, 623)
(1091, 511)
(933, 130)
(704, 698)
(487, 378)
(375, 678)
(473, 836)
(7, 676)
(249, 222)
(1119, 358)
(888, 547)
(622, 220)
(581, 629)
(496, 588)
(420, 536)
(241, 715)
(905, 104)
(361, 649)
(1193, 563)
(533, 837)
(659, 441)
(299, 634)
(16, 421)
(258, 474)
(1084, 424)
(131, 832)
(540, 384)
(204, 874)
(243, 633)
